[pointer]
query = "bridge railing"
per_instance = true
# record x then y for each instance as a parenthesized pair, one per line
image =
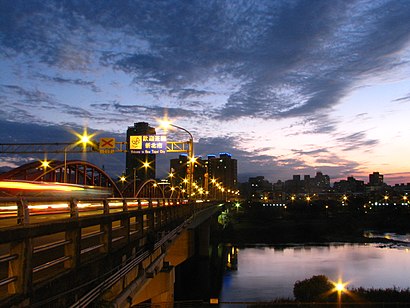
(26, 210)
(45, 243)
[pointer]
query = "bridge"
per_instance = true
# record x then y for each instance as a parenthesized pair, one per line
(85, 245)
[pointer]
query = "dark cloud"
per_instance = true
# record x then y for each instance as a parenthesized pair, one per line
(17, 132)
(77, 82)
(30, 96)
(356, 141)
(155, 111)
(290, 58)
(190, 93)
(311, 152)
(31, 100)
(404, 99)
(319, 123)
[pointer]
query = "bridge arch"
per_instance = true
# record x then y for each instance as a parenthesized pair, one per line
(146, 186)
(73, 172)
(174, 192)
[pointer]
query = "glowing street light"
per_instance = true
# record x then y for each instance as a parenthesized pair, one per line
(45, 164)
(339, 287)
(83, 139)
(191, 159)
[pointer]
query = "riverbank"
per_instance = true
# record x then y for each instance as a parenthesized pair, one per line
(279, 248)
(260, 226)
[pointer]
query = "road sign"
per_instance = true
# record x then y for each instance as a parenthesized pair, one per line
(107, 145)
(148, 144)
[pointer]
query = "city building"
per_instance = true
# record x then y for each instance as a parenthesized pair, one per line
(208, 174)
(376, 183)
(139, 167)
(308, 185)
(375, 179)
(224, 170)
(178, 171)
(351, 185)
(259, 188)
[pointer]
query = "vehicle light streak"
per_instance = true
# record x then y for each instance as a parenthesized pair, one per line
(48, 206)
(38, 186)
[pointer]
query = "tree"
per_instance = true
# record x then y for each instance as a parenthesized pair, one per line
(316, 288)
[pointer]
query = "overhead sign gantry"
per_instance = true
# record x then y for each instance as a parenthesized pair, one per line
(104, 146)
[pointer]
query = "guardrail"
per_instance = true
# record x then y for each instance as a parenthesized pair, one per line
(24, 208)
(47, 242)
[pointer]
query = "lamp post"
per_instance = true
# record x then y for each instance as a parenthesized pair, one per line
(84, 139)
(339, 287)
(191, 158)
(134, 181)
(65, 163)
(45, 164)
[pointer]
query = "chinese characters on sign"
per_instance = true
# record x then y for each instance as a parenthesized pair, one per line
(148, 144)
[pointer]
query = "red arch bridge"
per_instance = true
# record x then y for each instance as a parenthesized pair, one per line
(80, 243)
(93, 180)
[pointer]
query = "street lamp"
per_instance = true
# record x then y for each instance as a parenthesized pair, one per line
(83, 139)
(44, 164)
(339, 287)
(134, 181)
(191, 158)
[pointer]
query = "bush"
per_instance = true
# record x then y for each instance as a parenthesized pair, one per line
(314, 289)
(390, 295)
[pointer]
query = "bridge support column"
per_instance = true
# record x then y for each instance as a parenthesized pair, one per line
(160, 290)
(203, 239)
(21, 266)
(23, 214)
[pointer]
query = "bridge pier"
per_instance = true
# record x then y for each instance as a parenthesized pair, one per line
(153, 281)
(202, 234)
(159, 291)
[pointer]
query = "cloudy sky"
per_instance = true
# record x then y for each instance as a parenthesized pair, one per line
(287, 87)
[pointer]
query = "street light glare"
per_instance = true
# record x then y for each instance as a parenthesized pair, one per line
(339, 287)
(45, 163)
(165, 124)
(84, 138)
(192, 160)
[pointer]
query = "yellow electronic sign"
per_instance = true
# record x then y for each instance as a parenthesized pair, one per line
(148, 144)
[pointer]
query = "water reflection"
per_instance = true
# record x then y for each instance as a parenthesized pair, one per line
(232, 258)
(265, 273)
(401, 238)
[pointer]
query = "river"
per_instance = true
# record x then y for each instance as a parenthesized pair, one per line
(263, 273)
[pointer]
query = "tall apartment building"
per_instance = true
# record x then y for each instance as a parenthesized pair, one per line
(134, 165)
(179, 166)
(223, 169)
(375, 179)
